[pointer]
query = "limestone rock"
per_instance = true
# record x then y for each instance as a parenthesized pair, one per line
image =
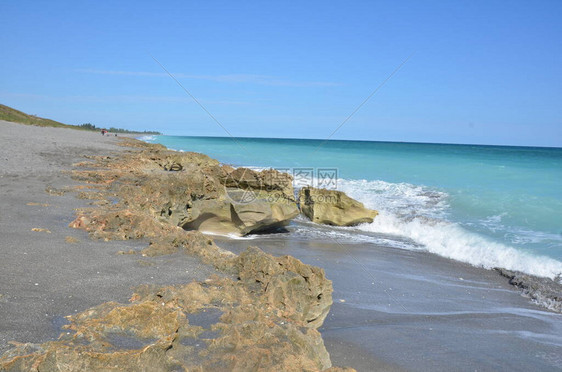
(176, 161)
(300, 291)
(332, 207)
(250, 331)
(195, 192)
(224, 216)
(268, 180)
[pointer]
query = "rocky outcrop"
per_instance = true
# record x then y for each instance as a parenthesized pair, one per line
(265, 320)
(332, 207)
(544, 291)
(268, 180)
(301, 292)
(195, 192)
(258, 313)
(224, 215)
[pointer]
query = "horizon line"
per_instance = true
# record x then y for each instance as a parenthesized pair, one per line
(377, 141)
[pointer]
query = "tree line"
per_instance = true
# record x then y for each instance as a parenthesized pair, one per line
(90, 126)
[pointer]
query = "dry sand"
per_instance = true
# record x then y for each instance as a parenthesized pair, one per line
(55, 270)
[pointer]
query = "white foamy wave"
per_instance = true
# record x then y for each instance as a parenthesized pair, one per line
(419, 214)
(256, 169)
(449, 240)
(233, 236)
(404, 199)
(147, 138)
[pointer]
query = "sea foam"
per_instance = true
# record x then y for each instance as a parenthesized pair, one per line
(421, 214)
(150, 139)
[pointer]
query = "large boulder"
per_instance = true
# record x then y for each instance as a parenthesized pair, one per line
(268, 180)
(250, 201)
(332, 207)
(226, 216)
(227, 202)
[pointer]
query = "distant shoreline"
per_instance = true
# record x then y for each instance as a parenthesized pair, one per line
(15, 116)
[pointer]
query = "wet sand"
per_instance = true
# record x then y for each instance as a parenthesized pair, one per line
(416, 311)
(42, 276)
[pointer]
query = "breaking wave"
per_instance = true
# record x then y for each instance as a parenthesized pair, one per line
(150, 139)
(422, 215)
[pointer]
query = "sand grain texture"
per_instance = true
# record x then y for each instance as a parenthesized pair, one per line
(42, 277)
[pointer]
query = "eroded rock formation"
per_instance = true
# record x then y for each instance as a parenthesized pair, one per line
(266, 320)
(332, 207)
(195, 192)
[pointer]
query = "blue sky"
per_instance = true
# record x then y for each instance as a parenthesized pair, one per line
(485, 72)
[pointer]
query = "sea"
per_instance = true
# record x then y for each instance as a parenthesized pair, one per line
(488, 206)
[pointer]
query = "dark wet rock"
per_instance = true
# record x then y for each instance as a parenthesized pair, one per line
(544, 291)
(332, 207)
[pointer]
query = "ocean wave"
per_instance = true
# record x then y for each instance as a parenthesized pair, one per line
(420, 214)
(404, 199)
(517, 234)
(148, 138)
(230, 235)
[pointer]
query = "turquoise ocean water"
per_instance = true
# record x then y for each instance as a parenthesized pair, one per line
(490, 206)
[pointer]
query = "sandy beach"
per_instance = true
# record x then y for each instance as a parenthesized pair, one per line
(44, 277)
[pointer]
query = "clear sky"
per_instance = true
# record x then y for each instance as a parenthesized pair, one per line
(480, 71)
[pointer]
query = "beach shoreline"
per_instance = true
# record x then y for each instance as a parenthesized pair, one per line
(379, 311)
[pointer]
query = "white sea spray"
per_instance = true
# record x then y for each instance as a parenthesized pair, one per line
(420, 214)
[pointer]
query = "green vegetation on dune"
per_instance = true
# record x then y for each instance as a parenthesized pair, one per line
(10, 114)
(13, 115)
